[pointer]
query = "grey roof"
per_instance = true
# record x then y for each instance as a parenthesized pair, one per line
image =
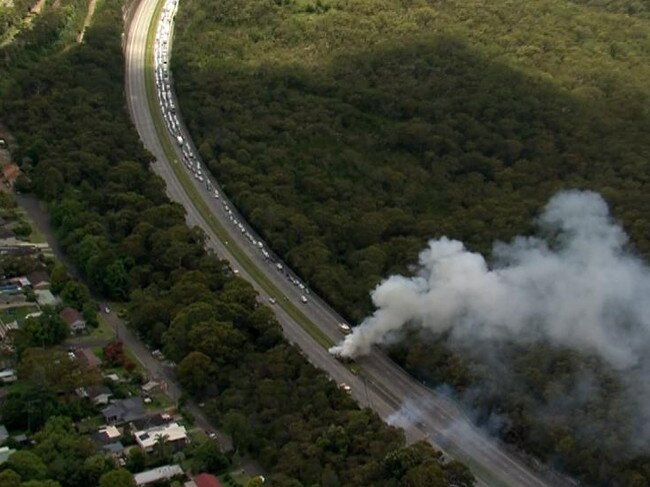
(4, 434)
(124, 410)
(5, 453)
(115, 448)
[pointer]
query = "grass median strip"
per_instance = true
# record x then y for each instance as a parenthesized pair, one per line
(243, 260)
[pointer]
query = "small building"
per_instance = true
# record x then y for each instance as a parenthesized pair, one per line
(73, 319)
(5, 453)
(98, 395)
(106, 435)
(39, 280)
(21, 281)
(88, 358)
(10, 173)
(115, 449)
(12, 300)
(172, 434)
(166, 472)
(203, 480)
(152, 387)
(8, 376)
(44, 297)
(124, 411)
(6, 329)
(151, 421)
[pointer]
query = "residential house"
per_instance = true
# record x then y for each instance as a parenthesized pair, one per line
(10, 173)
(98, 395)
(73, 319)
(21, 281)
(166, 472)
(87, 357)
(124, 411)
(153, 386)
(6, 329)
(106, 435)
(39, 280)
(5, 453)
(151, 421)
(204, 480)
(12, 300)
(44, 297)
(172, 434)
(115, 449)
(8, 376)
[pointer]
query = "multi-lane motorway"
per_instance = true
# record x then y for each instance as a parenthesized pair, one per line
(379, 383)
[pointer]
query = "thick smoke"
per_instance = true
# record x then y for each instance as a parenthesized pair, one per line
(576, 287)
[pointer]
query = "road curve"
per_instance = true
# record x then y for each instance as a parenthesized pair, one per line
(381, 384)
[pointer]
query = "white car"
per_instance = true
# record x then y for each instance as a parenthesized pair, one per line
(272, 300)
(345, 328)
(345, 388)
(303, 299)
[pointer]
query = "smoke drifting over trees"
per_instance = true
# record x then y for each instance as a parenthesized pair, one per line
(576, 287)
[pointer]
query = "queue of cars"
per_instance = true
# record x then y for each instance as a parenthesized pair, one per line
(192, 162)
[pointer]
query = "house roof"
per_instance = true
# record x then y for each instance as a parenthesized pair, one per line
(116, 448)
(206, 480)
(10, 171)
(45, 296)
(160, 473)
(94, 391)
(5, 453)
(37, 277)
(125, 410)
(170, 432)
(151, 421)
(70, 315)
(87, 356)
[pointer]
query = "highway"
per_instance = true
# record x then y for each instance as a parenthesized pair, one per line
(379, 384)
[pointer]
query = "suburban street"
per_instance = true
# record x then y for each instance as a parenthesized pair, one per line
(380, 384)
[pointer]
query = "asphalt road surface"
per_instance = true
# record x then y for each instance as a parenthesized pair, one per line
(380, 384)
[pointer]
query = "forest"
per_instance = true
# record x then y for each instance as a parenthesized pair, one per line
(350, 133)
(81, 155)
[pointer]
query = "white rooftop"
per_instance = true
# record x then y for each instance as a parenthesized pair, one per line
(156, 474)
(169, 432)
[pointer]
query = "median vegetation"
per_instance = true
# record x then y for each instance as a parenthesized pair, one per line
(349, 133)
(81, 154)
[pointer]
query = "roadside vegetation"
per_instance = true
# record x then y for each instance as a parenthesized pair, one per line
(350, 133)
(81, 155)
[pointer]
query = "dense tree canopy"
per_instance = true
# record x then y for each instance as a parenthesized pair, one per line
(83, 157)
(349, 133)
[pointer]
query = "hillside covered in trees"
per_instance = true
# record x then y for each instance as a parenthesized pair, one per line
(82, 156)
(350, 133)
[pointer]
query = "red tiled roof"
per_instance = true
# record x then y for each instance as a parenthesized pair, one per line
(10, 172)
(206, 480)
(70, 315)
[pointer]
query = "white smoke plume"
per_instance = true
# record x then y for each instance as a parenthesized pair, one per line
(578, 287)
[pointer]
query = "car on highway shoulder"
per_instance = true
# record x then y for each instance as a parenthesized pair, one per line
(345, 328)
(272, 300)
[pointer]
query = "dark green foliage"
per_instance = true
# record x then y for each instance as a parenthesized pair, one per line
(44, 330)
(115, 223)
(349, 133)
